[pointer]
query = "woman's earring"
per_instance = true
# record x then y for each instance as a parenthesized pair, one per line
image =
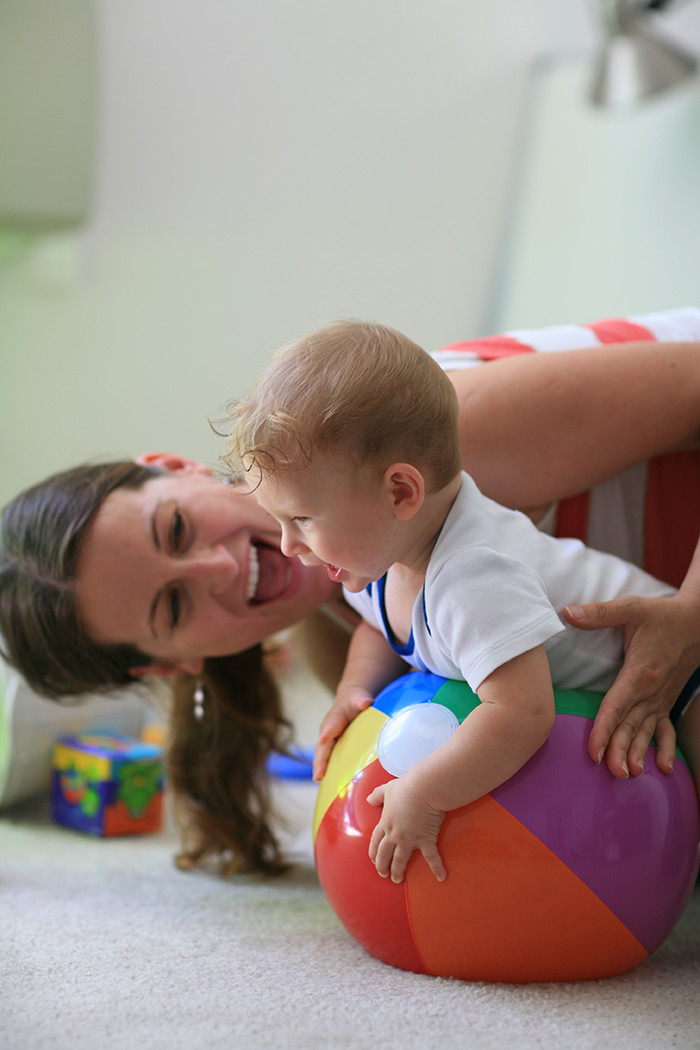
(199, 700)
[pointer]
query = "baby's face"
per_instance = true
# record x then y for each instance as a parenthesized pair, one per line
(334, 514)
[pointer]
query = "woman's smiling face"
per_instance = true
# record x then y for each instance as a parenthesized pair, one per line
(186, 568)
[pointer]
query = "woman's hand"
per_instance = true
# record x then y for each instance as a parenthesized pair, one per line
(407, 823)
(662, 649)
(349, 701)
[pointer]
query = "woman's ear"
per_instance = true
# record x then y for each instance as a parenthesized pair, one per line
(193, 667)
(169, 461)
(405, 486)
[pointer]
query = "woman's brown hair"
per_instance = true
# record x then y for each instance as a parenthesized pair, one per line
(216, 765)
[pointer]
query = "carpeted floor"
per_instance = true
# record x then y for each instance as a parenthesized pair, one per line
(106, 946)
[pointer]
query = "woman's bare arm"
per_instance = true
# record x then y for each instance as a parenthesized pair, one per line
(537, 428)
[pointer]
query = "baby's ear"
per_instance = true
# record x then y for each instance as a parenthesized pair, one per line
(405, 487)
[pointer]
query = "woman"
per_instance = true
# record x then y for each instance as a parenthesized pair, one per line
(114, 573)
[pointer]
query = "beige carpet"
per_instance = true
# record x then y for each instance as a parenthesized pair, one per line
(106, 946)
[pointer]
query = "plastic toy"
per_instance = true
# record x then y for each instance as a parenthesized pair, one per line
(297, 765)
(107, 785)
(563, 873)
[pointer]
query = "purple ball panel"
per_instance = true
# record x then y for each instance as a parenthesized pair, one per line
(629, 841)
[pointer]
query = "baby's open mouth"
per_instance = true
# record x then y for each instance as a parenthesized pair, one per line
(269, 574)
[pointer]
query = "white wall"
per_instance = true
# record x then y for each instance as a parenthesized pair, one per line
(263, 167)
(606, 217)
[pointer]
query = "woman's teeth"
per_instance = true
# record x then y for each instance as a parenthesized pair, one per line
(253, 573)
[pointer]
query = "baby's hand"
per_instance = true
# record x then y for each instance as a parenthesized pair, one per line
(406, 823)
(347, 706)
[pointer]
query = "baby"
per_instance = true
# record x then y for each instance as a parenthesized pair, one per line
(350, 441)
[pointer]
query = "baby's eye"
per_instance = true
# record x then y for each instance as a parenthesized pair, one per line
(177, 531)
(302, 520)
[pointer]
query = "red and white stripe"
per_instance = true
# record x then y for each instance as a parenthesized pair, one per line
(678, 325)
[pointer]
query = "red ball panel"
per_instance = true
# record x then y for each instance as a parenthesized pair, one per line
(373, 910)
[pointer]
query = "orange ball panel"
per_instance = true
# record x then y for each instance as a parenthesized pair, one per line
(516, 913)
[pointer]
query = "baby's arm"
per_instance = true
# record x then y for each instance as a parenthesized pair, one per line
(371, 664)
(512, 722)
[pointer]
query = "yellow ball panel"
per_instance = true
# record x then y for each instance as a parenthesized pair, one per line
(355, 749)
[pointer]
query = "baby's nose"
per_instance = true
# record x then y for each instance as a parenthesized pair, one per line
(291, 544)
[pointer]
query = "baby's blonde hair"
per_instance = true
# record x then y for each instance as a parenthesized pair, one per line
(357, 388)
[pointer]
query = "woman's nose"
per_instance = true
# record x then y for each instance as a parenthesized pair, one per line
(215, 566)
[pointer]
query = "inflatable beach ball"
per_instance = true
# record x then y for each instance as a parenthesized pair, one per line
(563, 873)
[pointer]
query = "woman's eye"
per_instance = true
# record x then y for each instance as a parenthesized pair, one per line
(174, 608)
(177, 530)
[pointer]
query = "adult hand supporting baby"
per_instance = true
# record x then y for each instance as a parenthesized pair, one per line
(661, 652)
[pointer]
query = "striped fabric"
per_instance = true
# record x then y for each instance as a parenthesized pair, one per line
(667, 326)
(672, 522)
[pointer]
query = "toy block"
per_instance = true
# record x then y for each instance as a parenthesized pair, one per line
(105, 784)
